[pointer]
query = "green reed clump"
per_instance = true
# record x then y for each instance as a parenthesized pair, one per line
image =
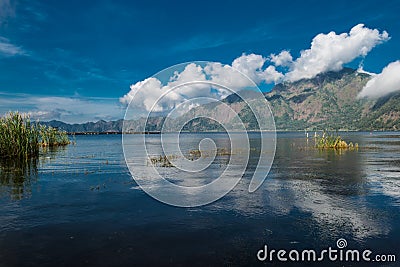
(50, 137)
(332, 141)
(19, 137)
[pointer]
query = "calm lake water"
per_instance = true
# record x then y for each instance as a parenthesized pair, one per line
(79, 206)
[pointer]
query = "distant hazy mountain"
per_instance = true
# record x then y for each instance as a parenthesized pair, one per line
(100, 126)
(328, 101)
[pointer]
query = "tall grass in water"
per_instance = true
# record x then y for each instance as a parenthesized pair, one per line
(333, 141)
(20, 138)
(50, 137)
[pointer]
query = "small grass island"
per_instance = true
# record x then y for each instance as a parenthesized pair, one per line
(333, 141)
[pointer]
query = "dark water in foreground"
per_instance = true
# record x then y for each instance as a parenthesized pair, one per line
(80, 207)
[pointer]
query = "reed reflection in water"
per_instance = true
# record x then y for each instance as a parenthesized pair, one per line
(17, 175)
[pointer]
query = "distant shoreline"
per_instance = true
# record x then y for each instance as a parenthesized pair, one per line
(277, 131)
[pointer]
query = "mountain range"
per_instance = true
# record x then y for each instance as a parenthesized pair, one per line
(328, 101)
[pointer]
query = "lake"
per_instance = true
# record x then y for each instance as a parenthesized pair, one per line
(79, 206)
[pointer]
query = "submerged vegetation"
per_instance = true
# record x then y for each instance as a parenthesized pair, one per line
(194, 154)
(333, 141)
(21, 138)
(163, 161)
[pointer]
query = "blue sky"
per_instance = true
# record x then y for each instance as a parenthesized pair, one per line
(90, 52)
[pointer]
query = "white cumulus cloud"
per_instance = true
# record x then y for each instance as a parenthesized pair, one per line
(223, 74)
(388, 81)
(252, 66)
(329, 52)
(270, 74)
(152, 95)
(284, 59)
(197, 81)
